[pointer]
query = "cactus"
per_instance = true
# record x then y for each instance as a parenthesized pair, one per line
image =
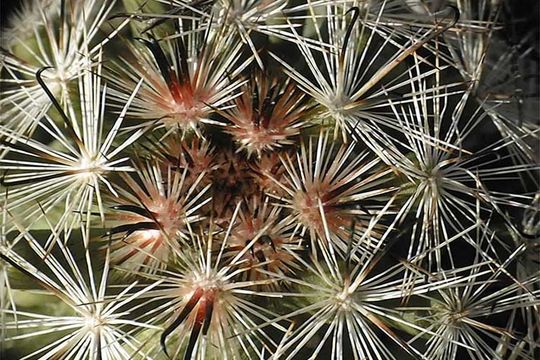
(253, 179)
